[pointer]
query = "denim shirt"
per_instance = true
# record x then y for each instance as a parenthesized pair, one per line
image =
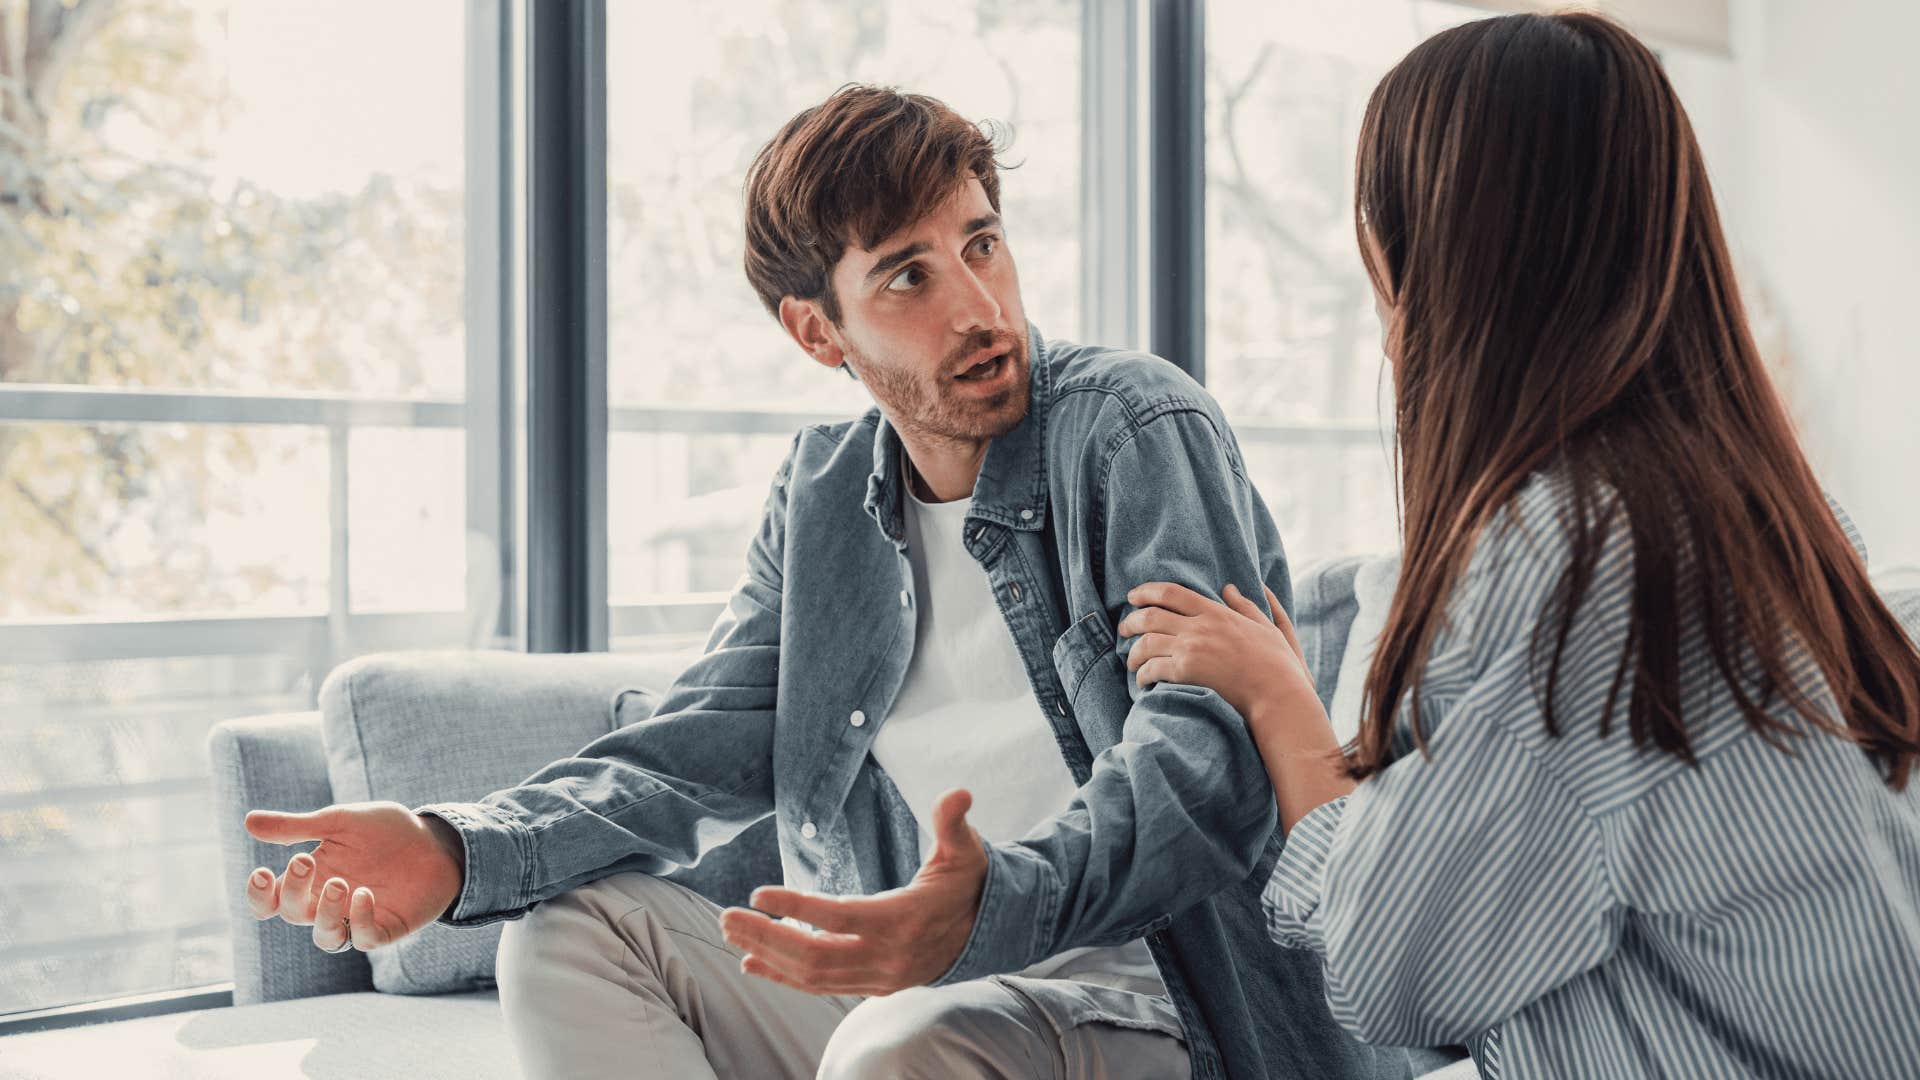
(1123, 471)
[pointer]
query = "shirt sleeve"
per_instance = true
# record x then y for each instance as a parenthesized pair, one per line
(1457, 886)
(653, 796)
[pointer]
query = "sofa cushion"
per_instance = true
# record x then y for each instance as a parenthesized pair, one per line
(426, 727)
(339, 1036)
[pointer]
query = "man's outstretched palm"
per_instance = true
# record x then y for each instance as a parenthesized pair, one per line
(380, 873)
(877, 944)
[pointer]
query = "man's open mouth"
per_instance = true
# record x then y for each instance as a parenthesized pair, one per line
(986, 369)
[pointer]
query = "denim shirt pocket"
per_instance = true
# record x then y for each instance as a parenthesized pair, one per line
(1093, 677)
(1080, 649)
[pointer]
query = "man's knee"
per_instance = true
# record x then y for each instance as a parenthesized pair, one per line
(928, 1032)
(580, 922)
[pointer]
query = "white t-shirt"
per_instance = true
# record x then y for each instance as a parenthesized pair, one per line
(966, 717)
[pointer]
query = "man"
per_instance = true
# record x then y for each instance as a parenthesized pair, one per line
(925, 630)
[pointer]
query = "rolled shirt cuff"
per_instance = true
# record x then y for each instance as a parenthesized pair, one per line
(1292, 895)
(498, 852)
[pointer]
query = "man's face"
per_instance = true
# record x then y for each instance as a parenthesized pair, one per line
(931, 322)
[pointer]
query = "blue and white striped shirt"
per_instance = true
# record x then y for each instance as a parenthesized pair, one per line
(1574, 907)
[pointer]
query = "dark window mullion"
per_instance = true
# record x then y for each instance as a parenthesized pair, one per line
(1177, 153)
(566, 558)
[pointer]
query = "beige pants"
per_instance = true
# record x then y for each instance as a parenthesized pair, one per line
(629, 977)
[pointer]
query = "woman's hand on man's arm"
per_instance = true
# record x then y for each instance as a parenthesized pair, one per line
(1255, 663)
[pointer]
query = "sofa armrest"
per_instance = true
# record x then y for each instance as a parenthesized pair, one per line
(272, 763)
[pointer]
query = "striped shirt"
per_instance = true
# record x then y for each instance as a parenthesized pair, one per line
(1573, 907)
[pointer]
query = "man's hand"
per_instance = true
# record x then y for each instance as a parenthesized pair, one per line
(871, 945)
(401, 870)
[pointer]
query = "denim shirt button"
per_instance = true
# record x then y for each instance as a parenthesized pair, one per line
(905, 600)
(858, 719)
(1026, 515)
(807, 830)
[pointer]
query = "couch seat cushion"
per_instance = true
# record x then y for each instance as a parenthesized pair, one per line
(345, 1036)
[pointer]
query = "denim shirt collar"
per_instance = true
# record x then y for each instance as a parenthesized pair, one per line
(1012, 487)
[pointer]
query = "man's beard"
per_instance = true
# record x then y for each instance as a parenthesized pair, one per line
(933, 404)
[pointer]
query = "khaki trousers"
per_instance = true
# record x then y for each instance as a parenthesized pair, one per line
(630, 977)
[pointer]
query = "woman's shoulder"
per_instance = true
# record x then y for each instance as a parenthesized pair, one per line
(1514, 653)
(1493, 661)
(1524, 555)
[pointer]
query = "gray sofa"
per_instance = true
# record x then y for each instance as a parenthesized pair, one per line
(468, 718)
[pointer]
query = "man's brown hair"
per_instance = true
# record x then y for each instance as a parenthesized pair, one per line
(855, 168)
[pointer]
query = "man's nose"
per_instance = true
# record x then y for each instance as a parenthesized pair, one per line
(974, 308)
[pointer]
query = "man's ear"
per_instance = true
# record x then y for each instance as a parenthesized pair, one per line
(810, 329)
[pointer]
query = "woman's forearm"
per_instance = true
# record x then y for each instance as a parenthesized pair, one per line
(1302, 757)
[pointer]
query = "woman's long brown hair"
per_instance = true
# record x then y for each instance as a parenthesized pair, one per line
(1533, 206)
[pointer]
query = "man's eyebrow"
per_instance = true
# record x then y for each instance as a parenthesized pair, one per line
(888, 262)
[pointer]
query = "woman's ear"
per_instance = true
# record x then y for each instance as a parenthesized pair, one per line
(810, 329)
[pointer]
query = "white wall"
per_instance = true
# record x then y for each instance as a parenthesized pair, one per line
(1812, 135)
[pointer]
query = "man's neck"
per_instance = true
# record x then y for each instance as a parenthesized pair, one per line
(940, 469)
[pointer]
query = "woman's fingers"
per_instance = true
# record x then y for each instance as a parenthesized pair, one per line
(1165, 594)
(1238, 601)
(330, 918)
(1153, 620)
(1158, 669)
(1286, 629)
(1148, 647)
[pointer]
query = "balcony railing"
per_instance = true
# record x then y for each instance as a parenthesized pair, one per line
(321, 637)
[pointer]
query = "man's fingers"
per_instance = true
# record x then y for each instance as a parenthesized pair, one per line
(296, 890)
(816, 963)
(952, 836)
(862, 984)
(263, 894)
(364, 920)
(753, 965)
(839, 914)
(277, 828)
(1165, 594)
(803, 954)
(330, 918)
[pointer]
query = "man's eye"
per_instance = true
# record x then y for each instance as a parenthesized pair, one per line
(906, 280)
(987, 244)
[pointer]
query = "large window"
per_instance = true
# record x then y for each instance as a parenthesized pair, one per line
(234, 442)
(1293, 344)
(705, 389)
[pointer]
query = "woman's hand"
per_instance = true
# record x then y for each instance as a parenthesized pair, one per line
(1256, 664)
(1233, 649)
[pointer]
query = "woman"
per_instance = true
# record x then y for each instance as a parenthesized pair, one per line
(1608, 525)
